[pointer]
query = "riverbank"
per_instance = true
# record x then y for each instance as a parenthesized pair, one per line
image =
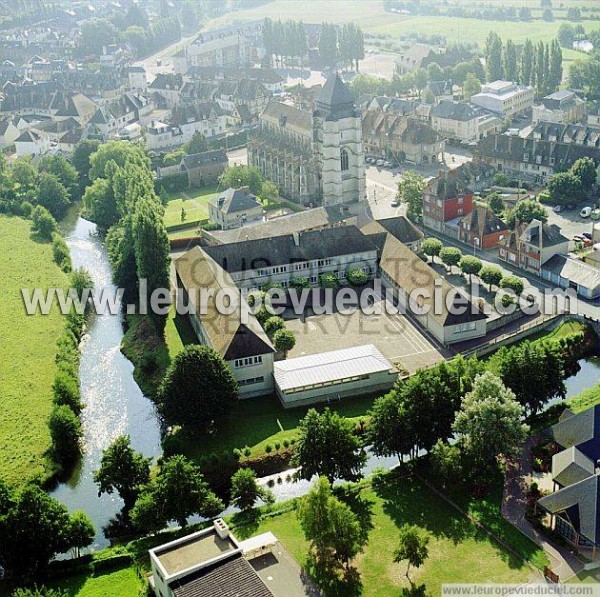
(27, 352)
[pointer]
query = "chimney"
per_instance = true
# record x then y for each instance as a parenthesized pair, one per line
(221, 528)
(296, 236)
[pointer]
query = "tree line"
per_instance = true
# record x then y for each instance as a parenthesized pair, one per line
(539, 65)
(284, 40)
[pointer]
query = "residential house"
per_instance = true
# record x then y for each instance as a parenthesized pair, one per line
(204, 168)
(441, 90)
(240, 340)
(136, 77)
(112, 117)
(446, 200)
(206, 118)
(9, 132)
(249, 93)
(573, 506)
(561, 107)
(421, 55)
(504, 98)
(168, 86)
(455, 120)
(234, 207)
(403, 138)
(68, 104)
(482, 228)
(160, 135)
(31, 143)
(536, 156)
(566, 272)
(400, 227)
(530, 245)
(403, 272)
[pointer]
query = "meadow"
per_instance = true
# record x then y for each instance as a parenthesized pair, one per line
(27, 351)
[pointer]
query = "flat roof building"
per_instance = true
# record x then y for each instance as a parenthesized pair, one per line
(504, 98)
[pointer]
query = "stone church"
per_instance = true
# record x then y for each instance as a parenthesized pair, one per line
(313, 157)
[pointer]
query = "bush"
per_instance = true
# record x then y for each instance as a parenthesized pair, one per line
(286, 443)
(328, 281)
(247, 451)
(357, 277)
(26, 209)
(237, 453)
(174, 183)
(65, 431)
(268, 448)
(43, 222)
(66, 391)
(60, 253)
(277, 446)
(273, 324)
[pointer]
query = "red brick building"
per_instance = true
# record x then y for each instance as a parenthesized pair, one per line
(482, 228)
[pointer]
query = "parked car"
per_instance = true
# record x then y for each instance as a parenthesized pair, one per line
(557, 208)
(381, 162)
(587, 235)
(387, 164)
(586, 212)
(395, 203)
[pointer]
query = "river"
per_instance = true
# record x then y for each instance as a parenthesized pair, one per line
(115, 405)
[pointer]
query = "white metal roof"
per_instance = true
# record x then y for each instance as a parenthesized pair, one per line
(329, 366)
(261, 541)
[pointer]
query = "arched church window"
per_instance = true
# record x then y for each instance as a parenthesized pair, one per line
(344, 159)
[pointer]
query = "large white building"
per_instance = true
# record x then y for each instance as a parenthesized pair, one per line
(561, 107)
(504, 98)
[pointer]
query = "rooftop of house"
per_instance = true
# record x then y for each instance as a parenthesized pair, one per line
(290, 248)
(454, 111)
(398, 226)
(574, 270)
(284, 115)
(199, 548)
(205, 158)
(235, 200)
(482, 220)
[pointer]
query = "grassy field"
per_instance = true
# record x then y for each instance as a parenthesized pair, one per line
(27, 351)
(195, 203)
(458, 551)
(117, 583)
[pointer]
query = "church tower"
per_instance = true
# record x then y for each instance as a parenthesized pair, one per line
(338, 140)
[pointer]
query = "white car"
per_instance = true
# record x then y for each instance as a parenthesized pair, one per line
(380, 162)
(387, 164)
(557, 208)
(395, 204)
(586, 212)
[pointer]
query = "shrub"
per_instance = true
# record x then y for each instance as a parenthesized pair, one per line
(284, 341)
(328, 281)
(286, 443)
(43, 222)
(66, 391)
(273, 324)
(247, 451)
(277, 446)
(65, 431)
(268, 448)
(26, 209)
(60, 253)
(514, 283)
(237, 453)
(357, 277)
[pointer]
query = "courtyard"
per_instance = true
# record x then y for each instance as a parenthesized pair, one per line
(400, 340)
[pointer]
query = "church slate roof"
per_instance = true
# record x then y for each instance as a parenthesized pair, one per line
(335, 92)
(288, 116)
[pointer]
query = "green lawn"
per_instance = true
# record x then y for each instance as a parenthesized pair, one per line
(118, 583)
(27, 351)
(458, 551)
(195, 203)
(562, 331)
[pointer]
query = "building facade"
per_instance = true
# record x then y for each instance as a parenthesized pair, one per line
(504, 98)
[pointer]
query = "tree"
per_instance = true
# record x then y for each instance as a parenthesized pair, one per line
(432, 247)
(122, 470)
(471, 86)
(81, 531)
(81, 161)
(526, 210)
(491, 275)
(52, 194)
(555, 70)
(66, 172)
(525, 13)
(151, 244)
(541, 68)
(413, 546)
(95, 33)
(328, 446)
(514, 283)
(435, 72)
(197, 144)
(489, 425)
(357, 277)
(567, 187)
(533, 371)
(420, 80)
(330, 526)
(180, 491)
(100, 205)
(410, 191)
(389, 432)
(428, 97)
(510, 61)
(574, 14)
(566, 35)
(274, 324)
(269, 191)
(245, 491)
(527, 62)
(469, 265)
(33, 531)
(122, 153)
(585, 170)
(43, 222)
(493, 57)
(66, 433)
(328, 45)
(198, 389)
(495, 202)
(450, 256)
(242, 176)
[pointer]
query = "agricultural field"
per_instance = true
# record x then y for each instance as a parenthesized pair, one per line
(27, 351)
